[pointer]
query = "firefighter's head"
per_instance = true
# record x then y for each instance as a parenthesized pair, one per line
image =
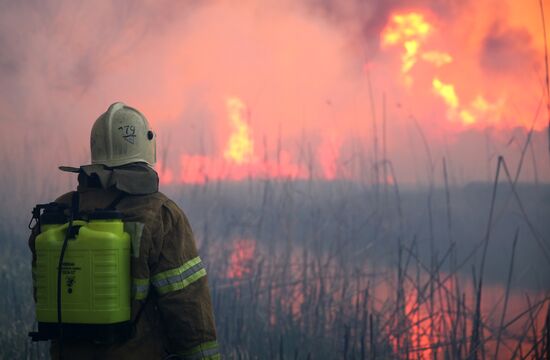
(121, 136)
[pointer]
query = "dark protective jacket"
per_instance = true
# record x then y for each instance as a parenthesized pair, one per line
(169, 288)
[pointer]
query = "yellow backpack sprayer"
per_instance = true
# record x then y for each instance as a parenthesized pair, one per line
(82, 274)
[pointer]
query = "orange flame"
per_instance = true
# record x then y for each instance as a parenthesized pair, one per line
(241, 258)
(437, 58)
(447, 92)
(409, 30)
(421, 64)
(240, 147)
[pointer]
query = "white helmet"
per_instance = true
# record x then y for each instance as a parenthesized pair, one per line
(121, 136)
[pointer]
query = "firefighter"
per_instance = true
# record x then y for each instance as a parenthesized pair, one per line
(171, 307)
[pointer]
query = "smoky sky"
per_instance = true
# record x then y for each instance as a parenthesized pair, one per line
(364, 20)
(68, 44)
(298, 65)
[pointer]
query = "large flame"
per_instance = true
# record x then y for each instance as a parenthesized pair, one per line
(313, 113)
(470, 73)
(239, 160)
(411, 31)
(240, 147)
(447, 92)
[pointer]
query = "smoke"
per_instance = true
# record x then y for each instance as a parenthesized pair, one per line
(509, 51)
(363, 21)
(311, 74)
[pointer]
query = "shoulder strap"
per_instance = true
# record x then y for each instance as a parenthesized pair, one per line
(75, 204)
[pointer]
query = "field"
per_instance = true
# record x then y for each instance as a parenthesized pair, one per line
(340, 270)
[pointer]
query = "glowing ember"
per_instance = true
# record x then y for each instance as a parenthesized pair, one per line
(240, 148)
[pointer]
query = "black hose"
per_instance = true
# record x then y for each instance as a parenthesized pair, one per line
(59, 271)
(74, 210)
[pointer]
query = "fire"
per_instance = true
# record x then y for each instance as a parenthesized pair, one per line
(405, 27)
(409, 30)
(240, 147)
(476, 75)
(437, 58)
(467, 115)
(238, 161)
(241, 259)
(412, 32)
(447, 92)
(420, 324)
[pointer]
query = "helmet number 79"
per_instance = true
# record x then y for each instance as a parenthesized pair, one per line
(128, 133)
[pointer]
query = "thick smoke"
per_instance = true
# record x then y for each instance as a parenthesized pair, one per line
(509, 51)
(300, 68)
